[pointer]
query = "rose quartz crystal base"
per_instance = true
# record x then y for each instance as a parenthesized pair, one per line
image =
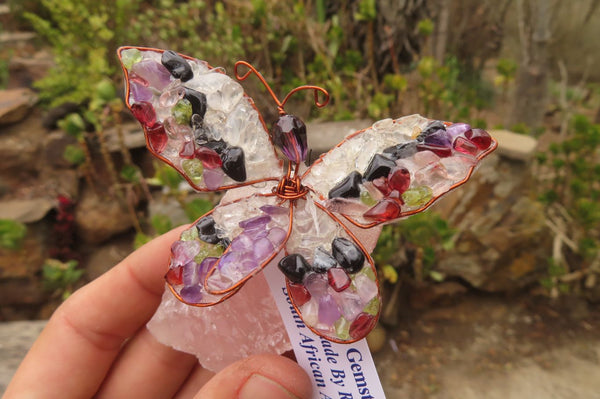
(246, 324)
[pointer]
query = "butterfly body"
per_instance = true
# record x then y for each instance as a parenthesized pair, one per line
(198, 120)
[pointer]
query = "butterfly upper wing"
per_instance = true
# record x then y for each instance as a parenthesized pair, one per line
(330, 277)
(226, 247)
(396, 168)
(198, 120)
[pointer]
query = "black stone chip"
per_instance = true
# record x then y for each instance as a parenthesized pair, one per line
(233, 163)
(348, 254)
(206, 230)
(218, 146)
(432, 127)
(347, 188)
(323, 261)
(294, 267)
(177, 65)
(402, 150)
(379, 166)
(198, 101)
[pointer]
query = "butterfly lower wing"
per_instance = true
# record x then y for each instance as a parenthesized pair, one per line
(226, 247)
(330, 277)
(396, 168)
(198, 120)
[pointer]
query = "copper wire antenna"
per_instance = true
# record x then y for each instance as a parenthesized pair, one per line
(280, 104)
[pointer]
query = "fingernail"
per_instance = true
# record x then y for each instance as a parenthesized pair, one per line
(258, 386)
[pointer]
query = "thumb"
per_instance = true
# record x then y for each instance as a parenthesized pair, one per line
(260, 376)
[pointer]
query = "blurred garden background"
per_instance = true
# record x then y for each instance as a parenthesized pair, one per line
(501, 275)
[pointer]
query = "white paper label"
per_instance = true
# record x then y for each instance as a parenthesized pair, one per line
(337, 371)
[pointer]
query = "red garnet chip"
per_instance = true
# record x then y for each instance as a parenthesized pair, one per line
(338, 279)
(144, 113)
(175, 276)
(480, 137)
(299, 293)
(399, 179)
(360, 327)
(440, 151)
(187, 150)
(157, 137)
(384, 210)
(210, 158)
(465, 146)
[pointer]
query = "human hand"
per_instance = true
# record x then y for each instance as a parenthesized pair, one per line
(96, 345)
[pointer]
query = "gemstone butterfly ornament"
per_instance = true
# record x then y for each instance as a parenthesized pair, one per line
(198, 120)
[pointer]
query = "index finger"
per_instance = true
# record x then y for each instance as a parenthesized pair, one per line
(85, 334)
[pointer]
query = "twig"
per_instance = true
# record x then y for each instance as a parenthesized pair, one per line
(561, 234)
(564, 103)
(574, 276)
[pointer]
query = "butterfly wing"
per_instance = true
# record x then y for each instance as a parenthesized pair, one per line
(198, 120)
(396, 168)
(330, 276)
(226, 247)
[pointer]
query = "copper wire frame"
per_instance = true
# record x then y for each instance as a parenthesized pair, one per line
(289, 188)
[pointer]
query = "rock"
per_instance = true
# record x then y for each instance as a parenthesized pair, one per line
(100, 216)
(20, 271)
(133, 137)
(21, 292)
(13, 39)
(502, 242)
(54, 148)
(21, 144)
(28, 66)
(323, 136)
(26, 211)
(574, 308)
(51, 118)
(436, 294)
(16, 337)
(26, 261)
(515, 146)
(55, 182)
(15, 105)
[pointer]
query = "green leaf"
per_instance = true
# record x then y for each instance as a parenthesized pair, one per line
(196, 208)
(589, 247)
(141, 239)
(161, 223)
(428, 256)
(321, 9)
(12, 233)
(130, 173)
(507, 68)
(390, 273)
(59, 275)
(74, 154)
(73, 125)
(425, 27)
(166, 176)
(367, 11)
(105, 90)
(395, 82)
(437, 276)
